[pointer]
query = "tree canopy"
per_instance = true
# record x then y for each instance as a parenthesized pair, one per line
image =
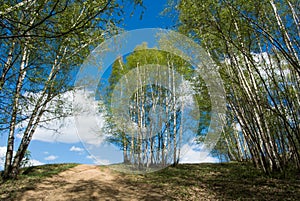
(43, 43)
(256, 44)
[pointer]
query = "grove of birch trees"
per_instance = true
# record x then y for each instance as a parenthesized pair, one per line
(256, 44)
(159, 119)
(43, 43)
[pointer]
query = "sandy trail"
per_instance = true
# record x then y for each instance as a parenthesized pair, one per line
(88, 182)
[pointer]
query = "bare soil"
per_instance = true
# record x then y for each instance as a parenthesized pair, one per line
(88, 182)
(224, 181)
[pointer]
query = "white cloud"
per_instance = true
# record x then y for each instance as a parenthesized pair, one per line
(67, 132)
(32, 162)
(102, 162)
(35, 162)
(266, 64)
(99, 161)
(192, 154)
(76, 149)
(51, 158)
(85, 127)
(2, 157)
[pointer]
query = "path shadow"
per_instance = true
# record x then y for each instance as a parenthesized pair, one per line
(230, 181)
(122, 190)
(116, 187)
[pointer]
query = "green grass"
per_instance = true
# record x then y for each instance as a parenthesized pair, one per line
(227, 181)
(28, 179)
(224, 181)
(130, 169)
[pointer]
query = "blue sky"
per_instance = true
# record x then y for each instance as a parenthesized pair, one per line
(50, 147)
(151, 17)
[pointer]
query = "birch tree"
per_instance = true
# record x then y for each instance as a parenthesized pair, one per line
(156, 112)
(256, 46)
(44, 43)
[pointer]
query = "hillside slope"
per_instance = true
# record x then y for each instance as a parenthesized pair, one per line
(230, 181)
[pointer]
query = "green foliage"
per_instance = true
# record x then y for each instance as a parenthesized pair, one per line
(256, 46)
(44, 43)
(142, 56)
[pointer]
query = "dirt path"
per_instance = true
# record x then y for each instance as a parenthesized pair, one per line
(87, 182)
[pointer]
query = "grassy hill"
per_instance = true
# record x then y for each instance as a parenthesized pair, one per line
(28, 179)
(227, 181)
